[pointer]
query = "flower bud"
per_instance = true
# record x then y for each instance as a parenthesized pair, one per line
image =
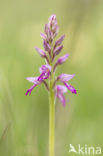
(43, 36)
(57, 50)
(40, 51)
(46, 29)
(59, 41)
(62, 59)
(46, 46)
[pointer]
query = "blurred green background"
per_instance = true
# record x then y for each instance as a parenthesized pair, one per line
(24, 120)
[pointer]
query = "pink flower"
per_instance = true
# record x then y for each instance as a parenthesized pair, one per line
(45, 71)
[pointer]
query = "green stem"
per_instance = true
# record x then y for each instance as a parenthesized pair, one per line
(51, 119)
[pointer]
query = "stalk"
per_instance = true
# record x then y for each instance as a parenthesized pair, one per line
(51, 118)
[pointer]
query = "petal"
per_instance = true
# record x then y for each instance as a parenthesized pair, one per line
(59, 41)
(32, 79)
(45, 71)
(62, 99)
(46, 29)
(62, 59)
(52, 20)
(50, 34)
(61, 88)
(40, 51)
(71, 88)
(46, 46)
(45, 68)
(56, 31)
(35, 81)
(65, 77)
(52, 17)
(41, 77)
(57, 50)
(43, 36)
(53, 26)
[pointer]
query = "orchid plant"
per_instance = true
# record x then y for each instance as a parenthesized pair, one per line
(47, 74)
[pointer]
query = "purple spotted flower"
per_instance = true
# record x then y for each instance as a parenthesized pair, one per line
(47, 71)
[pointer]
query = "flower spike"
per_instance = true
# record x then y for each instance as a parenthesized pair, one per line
(50, 52)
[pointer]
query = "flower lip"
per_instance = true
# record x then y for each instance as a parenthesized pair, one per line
(30, 89)
(61, 88)
(59, 93)
(75, 92)
(71, 88)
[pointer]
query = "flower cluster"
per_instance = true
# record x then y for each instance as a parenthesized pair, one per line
(51, 50)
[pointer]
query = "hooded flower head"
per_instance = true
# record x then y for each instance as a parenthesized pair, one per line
(45, 71)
